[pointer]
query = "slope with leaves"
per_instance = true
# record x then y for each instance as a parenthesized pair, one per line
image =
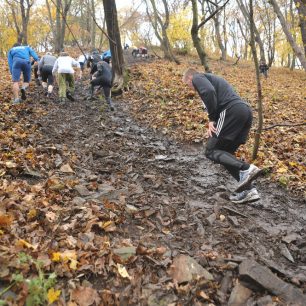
(159, 98)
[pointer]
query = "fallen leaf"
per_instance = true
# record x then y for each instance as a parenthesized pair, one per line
(85, 296)
(66, 169)
(53, 295)
(24, 243)
(56, 256)
(122, 271)
(5, 220)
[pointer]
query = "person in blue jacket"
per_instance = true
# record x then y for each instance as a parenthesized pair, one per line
(106, 56)
(19, 61)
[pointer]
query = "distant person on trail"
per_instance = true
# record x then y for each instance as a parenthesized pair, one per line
(230, 120)
(103, 78)
(107, 56)
(82, 61)
(45, 67)
(19, 61)
(263, 68)
(64, 67)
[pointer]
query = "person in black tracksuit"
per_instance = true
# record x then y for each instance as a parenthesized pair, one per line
(103, 78)
(230, 120)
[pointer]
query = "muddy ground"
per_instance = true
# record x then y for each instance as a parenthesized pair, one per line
(174, 198)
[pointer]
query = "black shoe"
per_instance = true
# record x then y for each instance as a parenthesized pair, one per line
(69, 96)
(23, 94)
(46, 93)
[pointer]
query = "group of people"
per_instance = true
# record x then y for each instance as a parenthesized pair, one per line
(230, 118)
(49, 67)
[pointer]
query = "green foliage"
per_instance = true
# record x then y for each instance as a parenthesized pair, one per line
(37, 286)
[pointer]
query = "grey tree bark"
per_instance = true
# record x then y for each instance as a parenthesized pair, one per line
(301, 8)
(93, 26)
(195, 36)
(217, 23)
(258, 39)
(297, 50)
(160, 23)
(110, 13)
(25, 7)
(259, 90)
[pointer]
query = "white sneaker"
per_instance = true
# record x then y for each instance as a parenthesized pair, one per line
(247, 176)
(245, 196)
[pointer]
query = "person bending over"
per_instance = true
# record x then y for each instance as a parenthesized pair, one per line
(103, 78)
(230, 120)
(45, 67)
(19, 61)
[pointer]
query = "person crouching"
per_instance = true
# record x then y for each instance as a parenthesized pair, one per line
(103, 78)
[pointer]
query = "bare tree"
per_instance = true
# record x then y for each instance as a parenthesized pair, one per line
(259, 90)
(301, 7)
(268, 22)
(196, 26)
(62, 9)
(91, 5)
(110, 13)
(216, 19)
(160, 25)
(297, 50)
(23, 8)
(258, 39)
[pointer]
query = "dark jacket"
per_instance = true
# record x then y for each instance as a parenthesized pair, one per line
(216, 93)
(104, 73)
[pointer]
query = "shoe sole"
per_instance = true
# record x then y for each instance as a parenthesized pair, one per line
(23, 94)
(253, 176)
(253, 198)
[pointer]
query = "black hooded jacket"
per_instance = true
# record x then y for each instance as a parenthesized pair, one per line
(216, 93)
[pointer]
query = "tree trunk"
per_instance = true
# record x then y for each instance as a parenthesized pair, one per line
(259, 90)
(216, 19)
(58, 27)
(297, 50)
(25, 7)
(110, 13)
(51, 21)
(301, 7)
(195, 36)
(160, 28)
(256, 33)
(93, 26)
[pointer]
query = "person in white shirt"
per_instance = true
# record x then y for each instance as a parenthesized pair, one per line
(82, 60)
(64, 67)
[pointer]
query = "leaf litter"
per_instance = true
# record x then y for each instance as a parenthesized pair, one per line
(116, 224)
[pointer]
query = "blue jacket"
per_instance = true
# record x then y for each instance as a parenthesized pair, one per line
(21, 52)
(106, 54)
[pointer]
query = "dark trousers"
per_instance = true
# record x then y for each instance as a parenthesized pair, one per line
(221, 151)
(104, 83)
(46, 75)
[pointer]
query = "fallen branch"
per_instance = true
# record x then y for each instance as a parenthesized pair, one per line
(283, 124)
(235, 212)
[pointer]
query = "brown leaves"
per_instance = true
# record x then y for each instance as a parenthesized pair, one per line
(84, 296)
(5, 220)
(160, 99)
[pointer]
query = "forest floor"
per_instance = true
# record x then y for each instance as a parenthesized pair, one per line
(119, 210)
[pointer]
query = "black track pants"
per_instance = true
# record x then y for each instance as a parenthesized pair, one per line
(221, 152)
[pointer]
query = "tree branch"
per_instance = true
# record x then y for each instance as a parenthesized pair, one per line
(283, 124)
(212, 15)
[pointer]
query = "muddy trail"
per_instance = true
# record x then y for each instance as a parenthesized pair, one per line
(158, 205)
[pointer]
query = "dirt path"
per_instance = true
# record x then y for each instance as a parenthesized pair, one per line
(173, 197)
